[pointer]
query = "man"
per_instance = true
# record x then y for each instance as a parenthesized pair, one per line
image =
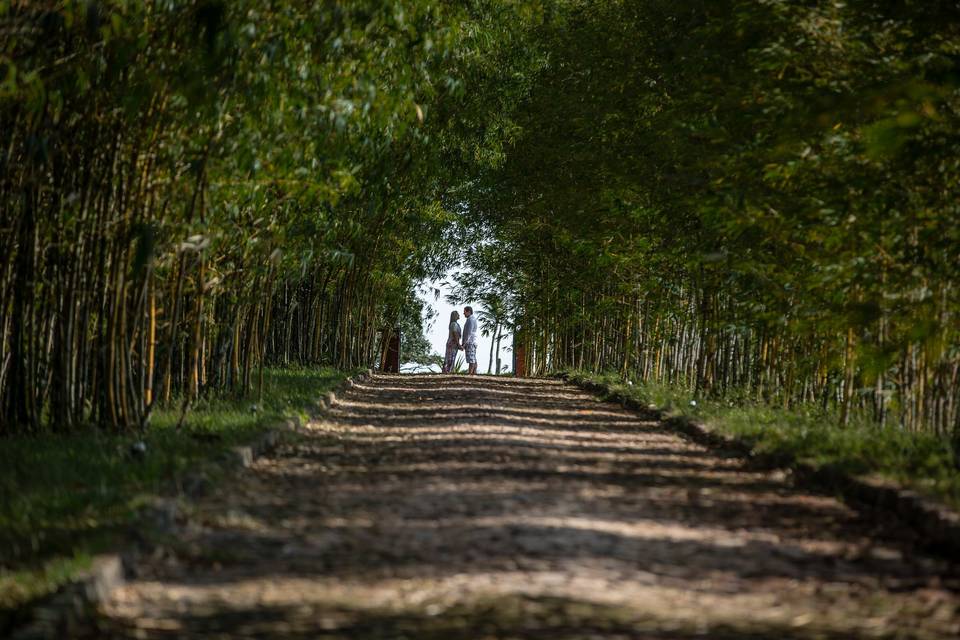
(470, 340)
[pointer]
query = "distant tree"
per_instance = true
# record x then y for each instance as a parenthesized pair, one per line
(493, 319)
(414, 345)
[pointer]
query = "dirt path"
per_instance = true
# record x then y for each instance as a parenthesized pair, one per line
(455, 509)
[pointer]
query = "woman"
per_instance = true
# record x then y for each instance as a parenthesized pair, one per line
(453, 343)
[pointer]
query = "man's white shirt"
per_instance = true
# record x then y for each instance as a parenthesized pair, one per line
(470, 330)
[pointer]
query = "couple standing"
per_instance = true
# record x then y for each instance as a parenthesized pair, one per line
(466, 340)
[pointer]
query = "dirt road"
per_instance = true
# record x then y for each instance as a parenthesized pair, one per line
(436, 507)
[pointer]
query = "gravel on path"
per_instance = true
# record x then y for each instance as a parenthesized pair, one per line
(454, 508)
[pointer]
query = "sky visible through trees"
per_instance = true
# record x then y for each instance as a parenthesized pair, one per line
(435, 327)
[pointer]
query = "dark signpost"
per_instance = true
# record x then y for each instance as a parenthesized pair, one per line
(391, 354)
(519, 355)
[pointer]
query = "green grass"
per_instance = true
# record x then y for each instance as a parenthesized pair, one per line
(920, 461)
(67, 497)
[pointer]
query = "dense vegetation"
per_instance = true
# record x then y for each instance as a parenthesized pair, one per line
(751, 205)
(921, 461)
(67, 497)
(742, 196)
(191, 189)
(749, 199)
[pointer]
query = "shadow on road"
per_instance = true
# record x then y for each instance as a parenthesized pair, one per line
(545, 514)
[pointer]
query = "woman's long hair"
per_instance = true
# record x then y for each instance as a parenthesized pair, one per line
(454, 315)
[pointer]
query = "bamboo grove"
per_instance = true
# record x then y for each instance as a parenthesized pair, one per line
(190, 189)
(753, 198)
(756, 200)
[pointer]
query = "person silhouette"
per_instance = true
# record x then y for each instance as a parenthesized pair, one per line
(470, 340)
(453, 343)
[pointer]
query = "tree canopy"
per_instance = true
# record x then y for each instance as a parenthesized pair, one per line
(193, 188)
(740, 195)
(757, 197)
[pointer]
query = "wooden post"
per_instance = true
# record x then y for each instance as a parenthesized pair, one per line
(391, 355)
(519, 354)
(519, 360)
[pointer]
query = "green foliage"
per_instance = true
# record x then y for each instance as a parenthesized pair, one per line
(921, 461)
(735, 196)
(65, 497)
(194, 189)
(740, 194)
(459, 364)
(414, 345)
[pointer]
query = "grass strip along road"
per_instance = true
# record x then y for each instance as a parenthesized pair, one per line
(66, 497)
